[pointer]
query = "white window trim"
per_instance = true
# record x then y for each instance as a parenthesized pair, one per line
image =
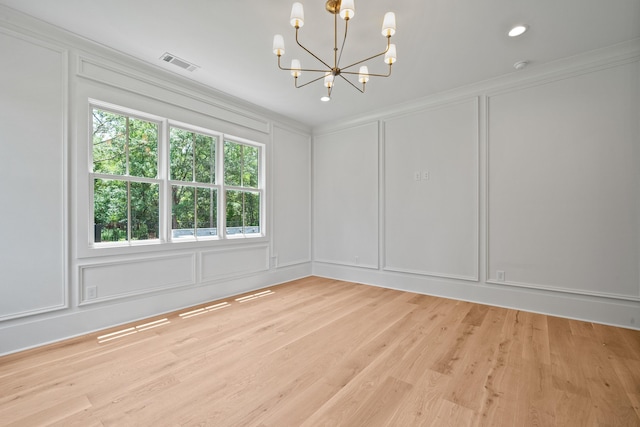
(165, 240)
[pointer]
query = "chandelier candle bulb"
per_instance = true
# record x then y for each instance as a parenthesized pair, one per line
(278, 45)
(347, 9)
(390, 56)
(297, 15)
(363, 74)
(295, 68)
(389, 24)
(328, 80)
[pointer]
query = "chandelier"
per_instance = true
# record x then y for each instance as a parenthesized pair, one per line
(346, 10)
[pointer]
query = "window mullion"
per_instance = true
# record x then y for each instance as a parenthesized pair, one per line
(222, 196)
(127, 173)
(163, 176)
(126, 147)
(129, 211)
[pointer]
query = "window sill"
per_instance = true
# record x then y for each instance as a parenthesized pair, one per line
(105, 249)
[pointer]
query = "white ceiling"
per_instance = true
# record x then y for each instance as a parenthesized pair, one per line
(442, 44)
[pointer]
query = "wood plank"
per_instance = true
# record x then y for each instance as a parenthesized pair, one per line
(319, 352)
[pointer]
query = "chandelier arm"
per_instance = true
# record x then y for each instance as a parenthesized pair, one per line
(303, 85)
(348, 81)
(371, 57)
(335, 40)
(309, 52)
(368, 74)
(346, 29)
(300, 69)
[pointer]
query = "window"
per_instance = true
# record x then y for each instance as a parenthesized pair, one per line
(182, 184)
(241, 177)
(125, 170)
(192, 171)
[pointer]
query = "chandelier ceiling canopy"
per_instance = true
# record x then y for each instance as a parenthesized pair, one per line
(329, 70)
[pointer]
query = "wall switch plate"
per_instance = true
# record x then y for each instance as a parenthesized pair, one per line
(500, 276)
(92, 292)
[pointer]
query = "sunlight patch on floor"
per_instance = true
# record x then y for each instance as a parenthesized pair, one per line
(204, 310)
(255, 296)
(132, 330)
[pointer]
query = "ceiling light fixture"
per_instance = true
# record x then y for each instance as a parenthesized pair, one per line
(518, 30)
(520, 65)
(346, 10)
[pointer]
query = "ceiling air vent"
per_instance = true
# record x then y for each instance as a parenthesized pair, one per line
(172, 59)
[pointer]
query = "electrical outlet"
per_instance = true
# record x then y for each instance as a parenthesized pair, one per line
(274, 261)
(92, 292)
(417, 176)
(357, 260)
(500, 275)
(425, 175)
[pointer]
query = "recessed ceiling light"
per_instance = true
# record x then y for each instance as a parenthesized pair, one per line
(518, 30)
(520, 65)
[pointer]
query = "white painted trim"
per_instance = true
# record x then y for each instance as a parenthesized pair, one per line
(308, 200)
(382, 193)
(598, 309)
(625, 51)
(477, 261)
(64, 108)
(625, 60)
(348, 264)
(430, 273)
(96, 71)
(83, 301)
(50, 329)
(565, 290)
(233, 275)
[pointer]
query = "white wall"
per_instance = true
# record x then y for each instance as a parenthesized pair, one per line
(564, 184)
(32, 104)
(431, 191)
(47, 261)
(345, 194)
(534, 175)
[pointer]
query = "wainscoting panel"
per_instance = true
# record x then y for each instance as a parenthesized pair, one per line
(431, 191)
(126, 278)
(345, 166)
(233, 262)
(564, 184)
(291, 189)
(144, 85)
(33, 147)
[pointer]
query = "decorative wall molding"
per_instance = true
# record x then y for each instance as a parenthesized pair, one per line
(230, 262)
(63, 139)
(565, 290)
(52, 328)
(565, 67)
(570, 72)
(304, 258)
(364, 253)
(599, 309)
(94, 70)
(475, 277)
(185, 267)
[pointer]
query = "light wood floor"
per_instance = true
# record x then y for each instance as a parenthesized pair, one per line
(319, 352)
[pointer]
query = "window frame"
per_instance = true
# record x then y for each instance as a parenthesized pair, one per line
(163, 180)
(259, 189)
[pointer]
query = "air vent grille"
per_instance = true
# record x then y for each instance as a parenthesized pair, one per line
(172, 59)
